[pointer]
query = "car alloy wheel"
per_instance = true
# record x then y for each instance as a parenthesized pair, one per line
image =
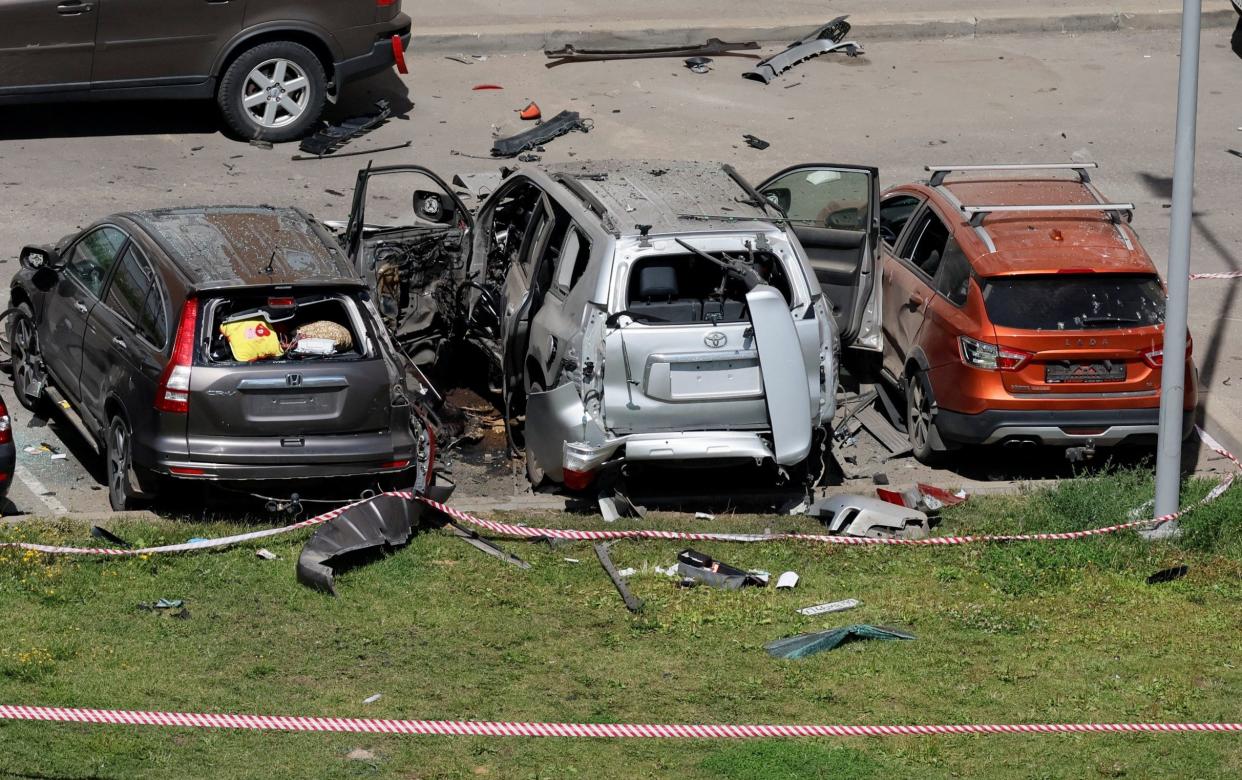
(275, 93)
(921, 416)
(121, 493)
(29, 375)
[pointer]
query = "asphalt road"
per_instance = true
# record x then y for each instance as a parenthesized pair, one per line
(1106, 97)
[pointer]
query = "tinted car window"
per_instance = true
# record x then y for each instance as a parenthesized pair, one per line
(953, 276)
(573, 261)
(825, 198)
(1074, 301)
(135, 295)
(925, 247)
(895, 212)
(93, 256)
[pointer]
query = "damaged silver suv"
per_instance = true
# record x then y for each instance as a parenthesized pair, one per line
(648, 311)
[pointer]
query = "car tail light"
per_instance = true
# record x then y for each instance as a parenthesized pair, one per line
(992, 357)
(186, 471)
(396, 464)
(6, 424)
(578, 480)
(281, 303)
(173, 393)
(1155, 357)
(384, 3)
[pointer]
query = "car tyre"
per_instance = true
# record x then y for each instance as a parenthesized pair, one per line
(26, 363)
(123, 477)
(921, 419)
(534, 472)
(273, 92)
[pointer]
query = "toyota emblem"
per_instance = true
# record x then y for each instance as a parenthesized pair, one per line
(715, 339)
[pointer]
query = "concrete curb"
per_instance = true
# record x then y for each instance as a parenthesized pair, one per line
(531, 37)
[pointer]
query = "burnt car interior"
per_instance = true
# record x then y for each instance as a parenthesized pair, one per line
(684, 289)
(314, 326)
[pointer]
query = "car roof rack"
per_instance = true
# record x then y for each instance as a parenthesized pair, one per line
(1114, 210)
(939, 172)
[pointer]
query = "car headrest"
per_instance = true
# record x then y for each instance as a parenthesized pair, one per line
(657, 281)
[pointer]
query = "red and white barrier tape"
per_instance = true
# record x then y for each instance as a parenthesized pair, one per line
(528, 532)
(460, 728)
(1225, 275)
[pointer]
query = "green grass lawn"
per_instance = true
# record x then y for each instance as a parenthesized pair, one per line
(1022, 632)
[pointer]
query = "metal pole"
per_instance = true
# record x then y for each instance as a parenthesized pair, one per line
(1173, 373)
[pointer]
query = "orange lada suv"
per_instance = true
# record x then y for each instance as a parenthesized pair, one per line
(1019, 307)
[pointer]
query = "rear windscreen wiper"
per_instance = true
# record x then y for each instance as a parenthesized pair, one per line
(1109, 321)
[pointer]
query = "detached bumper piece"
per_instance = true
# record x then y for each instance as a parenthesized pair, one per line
(333, 137)
(714, 47)
(364, 531)
(562, 123)
(830, 37)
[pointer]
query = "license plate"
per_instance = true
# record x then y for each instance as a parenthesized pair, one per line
(1058, 373)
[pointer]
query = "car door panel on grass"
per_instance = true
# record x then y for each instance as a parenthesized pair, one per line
(69, 304)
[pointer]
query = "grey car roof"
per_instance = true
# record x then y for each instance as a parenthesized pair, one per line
(236, 245)
(657, 192)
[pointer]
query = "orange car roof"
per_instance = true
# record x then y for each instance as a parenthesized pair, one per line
(1046, 241)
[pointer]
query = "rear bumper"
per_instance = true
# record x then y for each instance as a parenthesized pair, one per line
(268, 458)
(669, 447)
(8, 462)
(1104, 427)
(379, 58)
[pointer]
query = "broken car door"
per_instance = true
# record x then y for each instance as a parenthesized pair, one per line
(409, 237)
(527, 279)
(69, 303)
(833, 210)
(558, 321)
(908, 277)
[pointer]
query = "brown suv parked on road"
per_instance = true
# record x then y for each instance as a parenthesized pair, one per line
(270, 64)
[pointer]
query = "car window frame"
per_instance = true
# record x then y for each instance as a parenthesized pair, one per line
(584, 244)
(911, 241)
(920, 203)
(969, 276)
(107, 279)
(156, 285)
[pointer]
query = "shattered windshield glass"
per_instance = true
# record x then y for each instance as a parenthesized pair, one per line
(1075, 301)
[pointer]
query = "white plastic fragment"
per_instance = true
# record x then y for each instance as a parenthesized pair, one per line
(787, 579)
(373, 698)
(832, 606)
(265, 554)
(630, 572)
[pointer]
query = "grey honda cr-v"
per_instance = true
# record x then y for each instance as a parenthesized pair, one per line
(270, 64)
(216, 344)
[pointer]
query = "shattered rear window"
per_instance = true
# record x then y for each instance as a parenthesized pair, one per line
(1075, 301)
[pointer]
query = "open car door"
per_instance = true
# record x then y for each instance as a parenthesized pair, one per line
(834, 212)
(409, 237)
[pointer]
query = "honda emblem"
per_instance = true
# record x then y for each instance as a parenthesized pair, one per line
(293, 380)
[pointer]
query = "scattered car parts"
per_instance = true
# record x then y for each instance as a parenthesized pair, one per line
(376, 526)
(713, 47)
(632, 602)
(755, 142)
(531, 111)
(830, 37)
(700, 567)
(802, 645)
(832, 606)
(562, 123)
(330, 138)
(699, 64)
(472, 538)
(870, 518)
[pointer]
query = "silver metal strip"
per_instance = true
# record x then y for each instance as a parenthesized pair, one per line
(939, 172)
(977, 213)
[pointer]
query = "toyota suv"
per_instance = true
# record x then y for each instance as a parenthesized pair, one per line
(1020, 308)
(270, 65)
(645, 311)
(229, 344)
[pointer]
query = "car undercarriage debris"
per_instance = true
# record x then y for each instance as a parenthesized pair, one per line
(870, 518)
(332, 137)
(375, 526)
(713, 47)
(562, 123)
(830, 37)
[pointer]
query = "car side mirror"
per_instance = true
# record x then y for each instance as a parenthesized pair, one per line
(780, 196)
(36, 258)
(434, 207)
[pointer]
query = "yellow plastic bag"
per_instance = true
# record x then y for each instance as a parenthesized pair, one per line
(251, 340)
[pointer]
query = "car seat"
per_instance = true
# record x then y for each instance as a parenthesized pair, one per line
(657, 296)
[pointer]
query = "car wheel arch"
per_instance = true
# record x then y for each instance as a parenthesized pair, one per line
(318, 40)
